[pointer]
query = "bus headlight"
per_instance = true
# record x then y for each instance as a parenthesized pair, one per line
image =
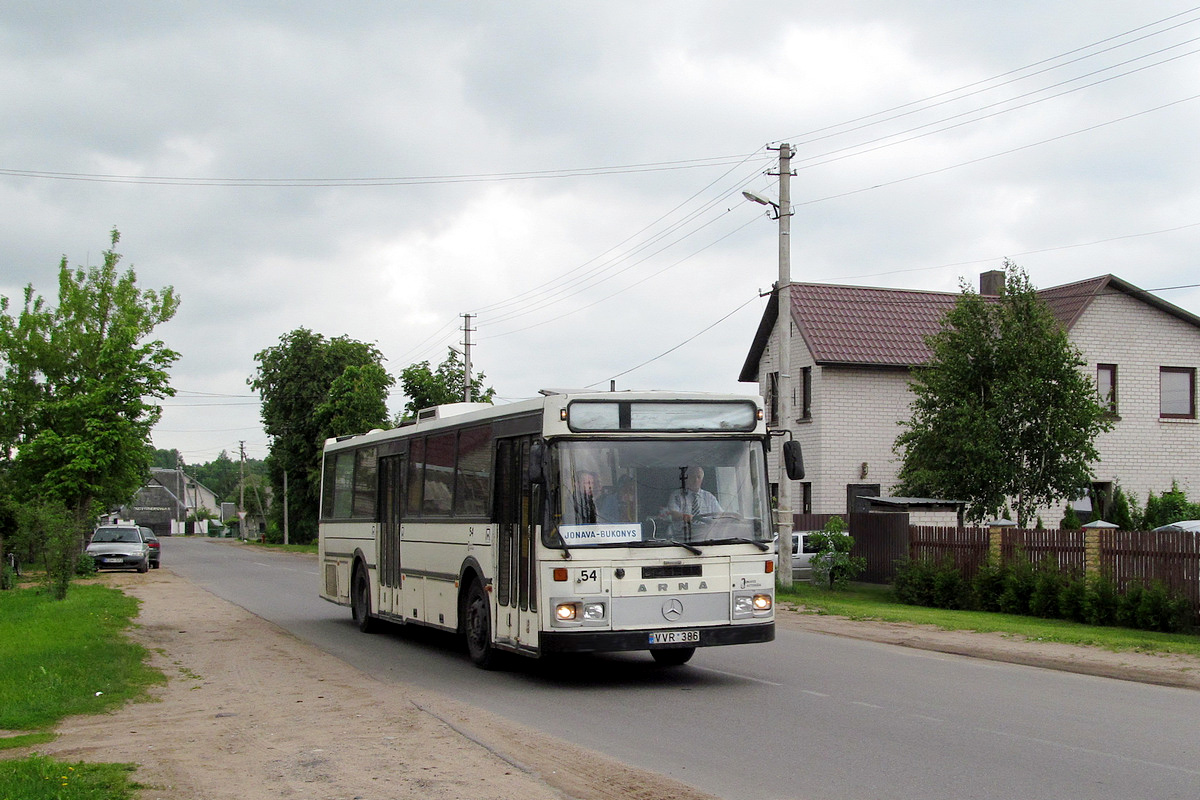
(579, 612)
(752, 604)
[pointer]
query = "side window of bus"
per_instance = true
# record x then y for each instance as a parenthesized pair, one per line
(473, 472)
(439, 474)
(343, 485)
(366, 482)
(416, 476)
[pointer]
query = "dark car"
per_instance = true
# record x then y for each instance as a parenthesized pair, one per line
(155, 548)
(119, 547)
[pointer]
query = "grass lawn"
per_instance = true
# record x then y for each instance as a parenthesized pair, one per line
(868, 602)
(65, 657)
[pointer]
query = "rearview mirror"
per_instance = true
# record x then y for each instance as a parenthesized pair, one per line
(537, 463)
(793, 460)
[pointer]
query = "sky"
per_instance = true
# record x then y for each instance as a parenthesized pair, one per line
(571, 173)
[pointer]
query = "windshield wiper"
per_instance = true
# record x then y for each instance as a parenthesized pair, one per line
(685, 545)
(742, 540)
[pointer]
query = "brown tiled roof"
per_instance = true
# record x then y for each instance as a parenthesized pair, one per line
(857, 325)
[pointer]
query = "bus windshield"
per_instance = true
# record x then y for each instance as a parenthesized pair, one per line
(651, 493)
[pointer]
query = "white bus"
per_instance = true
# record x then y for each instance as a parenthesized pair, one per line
(576, 522)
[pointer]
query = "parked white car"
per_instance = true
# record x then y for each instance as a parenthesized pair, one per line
(801, 551)
(119, 547)
(1192, 525)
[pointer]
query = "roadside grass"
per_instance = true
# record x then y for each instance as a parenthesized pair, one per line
(65, 657)
(868, 602)
(286, 548)
(41, 778)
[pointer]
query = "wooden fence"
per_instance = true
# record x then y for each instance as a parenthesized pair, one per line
(1125, 557)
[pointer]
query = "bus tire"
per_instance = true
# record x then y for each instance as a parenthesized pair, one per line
(477, 625)
(673, 657)
(360, 601)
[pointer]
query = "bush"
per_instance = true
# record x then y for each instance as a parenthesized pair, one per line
(1070, 520)
(1047, 587)
(85, 566)
(1100, 602)
(1018, 587)
(831, 562)
(1072, 598)
(914, 582)
(988, 585)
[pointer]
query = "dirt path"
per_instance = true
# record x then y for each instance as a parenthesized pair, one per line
(251, 712)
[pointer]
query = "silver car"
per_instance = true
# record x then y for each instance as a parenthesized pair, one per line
(1192, 525)
(119, 547)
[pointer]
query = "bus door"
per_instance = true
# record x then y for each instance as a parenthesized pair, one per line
(515, 586)
(391, 477)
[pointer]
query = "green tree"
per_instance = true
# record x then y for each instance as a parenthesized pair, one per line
(295, 379)
(77, 391)
(426, 387)
(1002, 412)
(165, 459)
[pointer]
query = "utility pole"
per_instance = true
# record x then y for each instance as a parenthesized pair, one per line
(285, 508)
(785, 357)
(787, 386)
(783, 323)
(466, 343)
(242, 489)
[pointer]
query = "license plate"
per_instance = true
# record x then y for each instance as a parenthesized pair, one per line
(114, 561)
(675, 637)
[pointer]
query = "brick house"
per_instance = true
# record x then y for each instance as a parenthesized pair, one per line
(853, 348)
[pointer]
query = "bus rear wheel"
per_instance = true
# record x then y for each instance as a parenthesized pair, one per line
(674, 656)
(360, 601)
(477, 625)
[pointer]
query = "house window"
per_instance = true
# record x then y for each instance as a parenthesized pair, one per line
(1177, 392)
(806, 498)
(806, 393)
(1106, 386)
(773, 398)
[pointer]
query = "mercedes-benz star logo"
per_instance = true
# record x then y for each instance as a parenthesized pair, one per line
(672, 609)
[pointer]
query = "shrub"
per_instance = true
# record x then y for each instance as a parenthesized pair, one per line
(950, 589)
(1100, 602)
(1047, 585)
(85, 566)
(1161, 610)
(913, 583)
(1128, 605)
(831, 562)
(1072, 598)
(988, 585)
(1070, 520)
(1018, 587)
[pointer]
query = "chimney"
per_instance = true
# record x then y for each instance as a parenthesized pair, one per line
(991, 282)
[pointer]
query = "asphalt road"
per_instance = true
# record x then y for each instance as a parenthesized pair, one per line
(807, 716)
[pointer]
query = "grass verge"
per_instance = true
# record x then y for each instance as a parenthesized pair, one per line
(867, 602)
(41, 778)
(65, 657)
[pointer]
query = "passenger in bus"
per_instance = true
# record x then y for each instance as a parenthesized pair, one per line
(621, 505)
(691, 500)
(587, 487)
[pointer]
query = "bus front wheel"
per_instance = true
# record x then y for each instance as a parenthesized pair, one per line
(673, 657)
(360, 601)
(478, 627)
